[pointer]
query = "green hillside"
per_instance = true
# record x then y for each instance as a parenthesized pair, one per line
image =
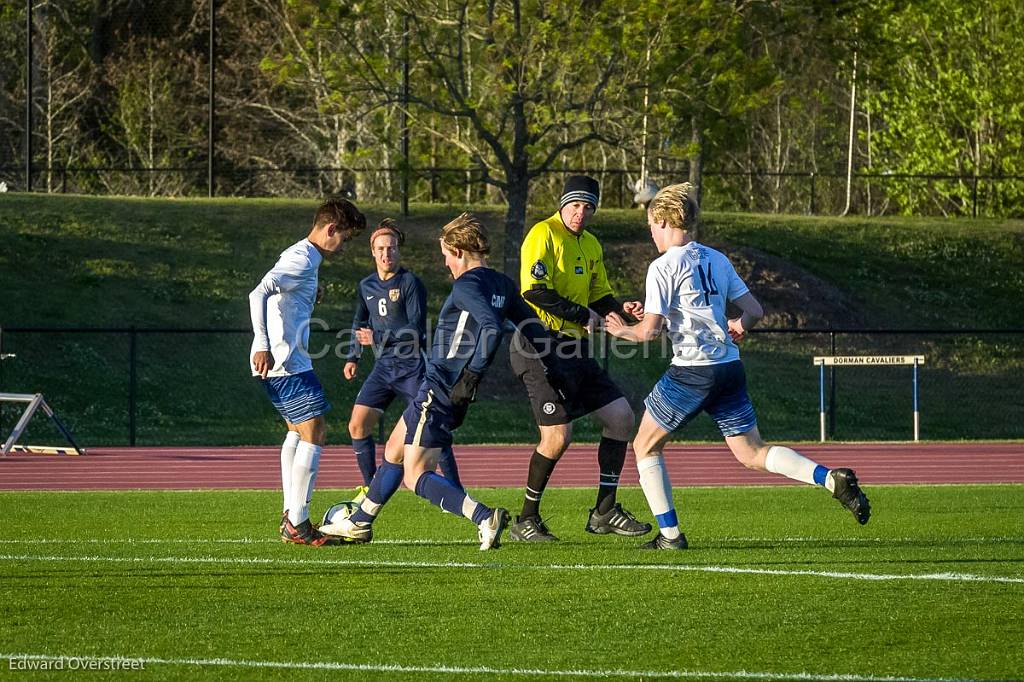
(72, 262)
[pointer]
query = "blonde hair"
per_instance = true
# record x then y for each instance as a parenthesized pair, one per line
(466, 233)
(677, 205)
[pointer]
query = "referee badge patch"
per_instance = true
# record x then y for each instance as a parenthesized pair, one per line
(393, 294)
(539, 270)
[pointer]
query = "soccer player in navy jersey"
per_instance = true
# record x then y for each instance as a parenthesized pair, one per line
(468, 333)
(688, 287)
(391, 318)
(280, 307)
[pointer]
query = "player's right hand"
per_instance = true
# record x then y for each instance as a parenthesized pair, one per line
(364, 336)
(350, 371)
(262, 361)
(464, 390)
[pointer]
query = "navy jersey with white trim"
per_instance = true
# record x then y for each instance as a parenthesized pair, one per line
(470, 326)
(396, 310)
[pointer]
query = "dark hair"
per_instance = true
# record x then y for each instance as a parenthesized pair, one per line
(387, 226)
(342, 213)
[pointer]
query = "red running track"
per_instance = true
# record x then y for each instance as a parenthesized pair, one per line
(480, 465)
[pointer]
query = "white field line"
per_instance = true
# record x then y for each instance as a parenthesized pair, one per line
(712, 543)
(354, 563)
(123, 662)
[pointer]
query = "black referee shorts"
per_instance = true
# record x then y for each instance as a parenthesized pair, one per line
(589, 386)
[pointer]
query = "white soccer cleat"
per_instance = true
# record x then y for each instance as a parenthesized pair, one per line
(490, 530)
(349, 529)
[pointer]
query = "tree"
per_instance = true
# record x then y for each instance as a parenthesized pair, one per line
(64, 82)
(286, 106)
(532, 80)
(952, 104)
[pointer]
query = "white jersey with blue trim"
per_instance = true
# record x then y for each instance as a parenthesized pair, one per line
(281, 306)
(689, 286)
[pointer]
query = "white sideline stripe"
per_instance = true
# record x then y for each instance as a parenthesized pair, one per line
(236, 541)
(474, 670)
(711, 542)
(691, 568)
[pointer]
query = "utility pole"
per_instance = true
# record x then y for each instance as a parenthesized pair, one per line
(212, 107)
(28, 95)
(405, 116)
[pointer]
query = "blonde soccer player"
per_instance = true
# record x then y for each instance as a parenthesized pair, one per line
(391, 319)
(688, 287)
(466, 339)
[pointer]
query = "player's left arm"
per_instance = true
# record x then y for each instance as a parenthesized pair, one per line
(737, 293)
(751, 313)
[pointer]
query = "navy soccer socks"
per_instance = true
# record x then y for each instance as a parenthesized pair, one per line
(366, 457)
(440, 491)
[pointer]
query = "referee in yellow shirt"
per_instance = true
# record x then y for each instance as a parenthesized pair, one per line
(563, 278)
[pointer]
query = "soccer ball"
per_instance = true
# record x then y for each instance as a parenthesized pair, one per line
(338, 512)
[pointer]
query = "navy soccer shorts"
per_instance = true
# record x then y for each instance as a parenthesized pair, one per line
(720, 390)
(429, 422)
(297, 397)
(391, 379)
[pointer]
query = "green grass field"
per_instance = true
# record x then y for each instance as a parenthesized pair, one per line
(780, 583)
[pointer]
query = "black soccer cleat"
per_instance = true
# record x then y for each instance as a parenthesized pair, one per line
(849, 494)
(530, 529)
(616, 520)
(662, 542)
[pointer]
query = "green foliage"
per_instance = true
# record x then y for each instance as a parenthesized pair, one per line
(956, 108)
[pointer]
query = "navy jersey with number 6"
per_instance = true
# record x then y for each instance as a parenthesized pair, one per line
(470, 326)
(396, 310)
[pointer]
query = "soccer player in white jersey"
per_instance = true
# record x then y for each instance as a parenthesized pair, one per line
(281, 306)
(687, 290)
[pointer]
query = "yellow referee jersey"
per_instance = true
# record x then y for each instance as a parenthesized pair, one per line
(554, 258)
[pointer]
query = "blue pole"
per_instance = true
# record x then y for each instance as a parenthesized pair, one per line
(821, 400)
(917, 414)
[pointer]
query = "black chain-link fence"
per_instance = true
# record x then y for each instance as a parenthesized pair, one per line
(187, 387)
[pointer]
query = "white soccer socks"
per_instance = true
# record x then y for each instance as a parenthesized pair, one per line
(791, 464)
(658, 491)
(287, 459)
(304, 468)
